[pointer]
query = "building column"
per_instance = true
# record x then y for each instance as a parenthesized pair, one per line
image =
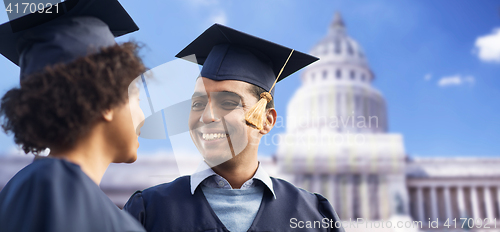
(348, 194)
(447, 203)
(498, 199)
(316, 184)
(363, 194)
(488, 203)
(461, 202)
(420, 205)
(299, 178)
(383, 198)
(332, 188)
(373, 197)
(306, 182)
(475, 203)
(434, 207)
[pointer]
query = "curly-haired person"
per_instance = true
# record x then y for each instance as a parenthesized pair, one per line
(77, 98)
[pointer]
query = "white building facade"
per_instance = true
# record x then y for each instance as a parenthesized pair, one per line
(336, 141)
(336, 144)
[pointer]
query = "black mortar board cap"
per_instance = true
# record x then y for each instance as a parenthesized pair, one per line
(110, 12)
(228, 54)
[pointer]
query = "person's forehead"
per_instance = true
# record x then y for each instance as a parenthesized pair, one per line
(207, 85)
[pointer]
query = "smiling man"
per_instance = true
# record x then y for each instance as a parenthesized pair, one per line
(216, 121)
(231, 191)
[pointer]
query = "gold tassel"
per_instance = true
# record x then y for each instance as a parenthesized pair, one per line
(255, 115)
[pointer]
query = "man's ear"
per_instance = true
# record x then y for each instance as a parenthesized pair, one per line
(270, 121)
(107, 115)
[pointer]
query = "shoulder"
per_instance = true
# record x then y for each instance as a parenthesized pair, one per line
(159, 198)
(181, 184)
(59, 184)
(165, 190)
(48, 190)
(285, 188)
(43, 175)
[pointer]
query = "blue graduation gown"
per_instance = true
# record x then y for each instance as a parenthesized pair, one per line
(172, 207)
(55, 195)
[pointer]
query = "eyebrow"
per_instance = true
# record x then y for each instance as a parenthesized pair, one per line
(203, 94)
(198, 94)
(231, 93)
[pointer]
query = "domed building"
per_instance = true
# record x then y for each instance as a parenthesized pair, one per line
(336, 141)
(338, 86)
(337, 144)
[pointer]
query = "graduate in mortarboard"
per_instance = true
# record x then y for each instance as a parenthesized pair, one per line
(77, 98)
(230, 110)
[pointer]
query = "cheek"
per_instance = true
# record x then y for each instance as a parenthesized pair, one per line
(253, 135)
(194, 120)
(235, 123)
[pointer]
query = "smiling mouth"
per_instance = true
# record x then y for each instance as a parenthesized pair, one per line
(212, 136)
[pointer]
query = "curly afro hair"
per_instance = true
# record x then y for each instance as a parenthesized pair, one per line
(57, 105)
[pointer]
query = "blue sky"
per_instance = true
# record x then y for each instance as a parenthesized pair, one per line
(441, 95)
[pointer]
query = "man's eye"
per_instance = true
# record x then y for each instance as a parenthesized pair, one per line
(198, 105)
(229, 105)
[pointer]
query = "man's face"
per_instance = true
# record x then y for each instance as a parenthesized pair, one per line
(217, 119)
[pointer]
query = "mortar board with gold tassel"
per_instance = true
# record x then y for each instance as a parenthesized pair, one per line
(228, 54)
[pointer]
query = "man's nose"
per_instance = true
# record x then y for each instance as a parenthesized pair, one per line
(208, 114)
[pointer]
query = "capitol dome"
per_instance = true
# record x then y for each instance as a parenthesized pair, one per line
(337, 46)
(336, 93)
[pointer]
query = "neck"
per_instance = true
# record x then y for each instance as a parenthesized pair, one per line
(239, 169)
(90, 153)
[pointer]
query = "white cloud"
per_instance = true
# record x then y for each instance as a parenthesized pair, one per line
(212, 8)
(456, 80)
(428, 76)
(488, 47)
(218, 17)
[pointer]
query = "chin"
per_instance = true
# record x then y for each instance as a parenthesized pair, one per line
(128, 159)
(132, 159)
(216, 159)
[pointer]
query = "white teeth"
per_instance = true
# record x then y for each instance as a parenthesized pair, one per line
(213, 136)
